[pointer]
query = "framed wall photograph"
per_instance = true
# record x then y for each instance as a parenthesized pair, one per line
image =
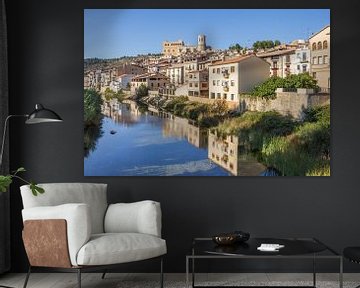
(207, 92)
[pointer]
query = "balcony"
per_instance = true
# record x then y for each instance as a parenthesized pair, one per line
(226, 89)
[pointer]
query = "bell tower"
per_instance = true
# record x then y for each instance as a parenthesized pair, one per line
(201, 42)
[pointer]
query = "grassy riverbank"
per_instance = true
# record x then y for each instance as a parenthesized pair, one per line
(203, 114)
(293, 148)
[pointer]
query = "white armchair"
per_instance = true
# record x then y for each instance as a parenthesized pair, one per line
(72, 228)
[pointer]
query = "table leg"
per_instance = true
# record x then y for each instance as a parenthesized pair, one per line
(341, 273)
(193, 272)
(314, 271)
(187, 272)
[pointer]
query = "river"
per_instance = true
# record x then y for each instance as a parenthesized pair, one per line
(135, 140)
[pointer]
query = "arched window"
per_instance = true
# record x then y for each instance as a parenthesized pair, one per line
(314, 46)
(325, 44)
(319, 45)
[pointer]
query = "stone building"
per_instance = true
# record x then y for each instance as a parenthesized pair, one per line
(151, 80)
(176, 48)
(279, 59)
(320, 57)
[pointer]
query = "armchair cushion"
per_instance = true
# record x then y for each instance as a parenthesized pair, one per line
(113, 248)
(92, 194)
(138, 217)
(78, 221)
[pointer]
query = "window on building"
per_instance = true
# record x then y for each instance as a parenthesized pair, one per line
(190, 84)
(287, 58)
(232, 97)
(314, 60)
(190, 76)
(320, 60)
(303, 68)
(152, 84)
(232, 69)
(314, 75)
(218, 95)
(304, 56)
(319, 45)
(196, 84)
(325, 44)
(212, 95)
(218, 70)
(275, 64)
(224, 96)
(217, 82)
(326, 59)
(314, 46)
(196, 93)
(232, 83)
(214, 82)
(203, 85)
(213, 70)
(298, 67)
(191, 93)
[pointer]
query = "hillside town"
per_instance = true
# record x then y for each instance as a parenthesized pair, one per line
(203, 72)
(259, 109)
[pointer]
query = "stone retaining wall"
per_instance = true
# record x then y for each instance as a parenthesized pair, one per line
(286, 103)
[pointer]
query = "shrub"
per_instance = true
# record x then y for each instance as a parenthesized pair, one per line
(142, 91)
(92, 107)
(267, 89)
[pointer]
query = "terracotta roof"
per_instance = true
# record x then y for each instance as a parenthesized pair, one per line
(277, 52)
(147, 75)
(232, 60)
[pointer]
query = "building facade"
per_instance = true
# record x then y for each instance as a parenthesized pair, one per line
(198, 84)
(176, 48)
(229, 78)
(320, 57)
(175, 73)
(300, 61)
(151, 80)
(279, 60)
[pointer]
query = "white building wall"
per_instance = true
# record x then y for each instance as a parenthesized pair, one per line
(217, 82)
(300, 61)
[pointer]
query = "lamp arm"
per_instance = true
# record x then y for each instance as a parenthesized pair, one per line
(4, 134)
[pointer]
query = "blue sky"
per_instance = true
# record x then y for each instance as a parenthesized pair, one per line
(110, 33)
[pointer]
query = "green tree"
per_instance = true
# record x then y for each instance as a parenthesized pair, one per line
(109, 94)
(267, 89)
(277, 42)
(92, 107)
(236, 47)
(142, 91)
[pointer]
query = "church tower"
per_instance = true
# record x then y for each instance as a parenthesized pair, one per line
(201, 42)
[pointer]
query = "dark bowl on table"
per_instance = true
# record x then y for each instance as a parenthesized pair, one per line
(231, 238)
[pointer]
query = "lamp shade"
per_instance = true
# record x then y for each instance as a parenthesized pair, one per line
(42, 115)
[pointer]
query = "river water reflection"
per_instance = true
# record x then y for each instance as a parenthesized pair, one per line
(141, 141)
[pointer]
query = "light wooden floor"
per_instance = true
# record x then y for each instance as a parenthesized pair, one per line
(114, 280)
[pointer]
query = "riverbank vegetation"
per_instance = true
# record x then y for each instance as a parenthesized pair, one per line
(92, 119)
(110, 94)
(293, 148)
(92, 107)
(267, 89)
(203, 114)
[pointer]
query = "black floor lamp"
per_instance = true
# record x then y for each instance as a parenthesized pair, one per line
(39, 115)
